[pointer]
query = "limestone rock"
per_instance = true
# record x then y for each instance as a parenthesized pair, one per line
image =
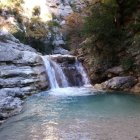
(9, 106)
(59, 50)
(115, 70)
(119, 83)
(22, 73)
(7, 36)
(63, 58)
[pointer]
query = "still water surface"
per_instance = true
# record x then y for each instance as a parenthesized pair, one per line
(75, 114)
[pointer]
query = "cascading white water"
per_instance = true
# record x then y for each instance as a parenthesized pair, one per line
(56, 75)
(51, 72)
(60, 74)
(82, 71)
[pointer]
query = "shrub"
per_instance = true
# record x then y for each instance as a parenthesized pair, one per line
(36, 11)
(74, 23)
(127, 63)
(101, 22)
(52, 24)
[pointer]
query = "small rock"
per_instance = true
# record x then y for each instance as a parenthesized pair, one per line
(59, 50)
(116, 70)
(136, 88)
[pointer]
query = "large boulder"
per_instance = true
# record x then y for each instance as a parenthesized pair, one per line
(118, 83)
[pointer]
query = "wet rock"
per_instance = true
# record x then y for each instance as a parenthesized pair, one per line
(65, 59)
(9, 106)
(73, 76)
(81, 59)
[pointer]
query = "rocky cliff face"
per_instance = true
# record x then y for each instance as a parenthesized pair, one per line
(39, 19)
(22, 73)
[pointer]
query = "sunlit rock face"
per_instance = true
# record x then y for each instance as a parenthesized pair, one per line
(44, 11)
(59, 8)
(22, 73)
(35, 12)
(21, 66)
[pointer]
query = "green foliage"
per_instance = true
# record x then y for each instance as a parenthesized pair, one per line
(21, 36)
(130, 6)
(36, 29)
(101, 23)
(135, 26)
(136, 42)
(29, 31)
(40, 46)
(107, 36)
(127, 63)
(52, 24)
(113, 24)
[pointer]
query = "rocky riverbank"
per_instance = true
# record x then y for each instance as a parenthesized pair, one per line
(22, 73)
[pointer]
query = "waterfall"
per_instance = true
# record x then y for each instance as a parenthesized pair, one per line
(60, 75)
(82, 72)
(51, 72)
(65, 71)
(55, 73)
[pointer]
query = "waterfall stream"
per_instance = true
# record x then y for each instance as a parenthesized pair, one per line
(58, 77)
(81, 70)
(53, 71)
